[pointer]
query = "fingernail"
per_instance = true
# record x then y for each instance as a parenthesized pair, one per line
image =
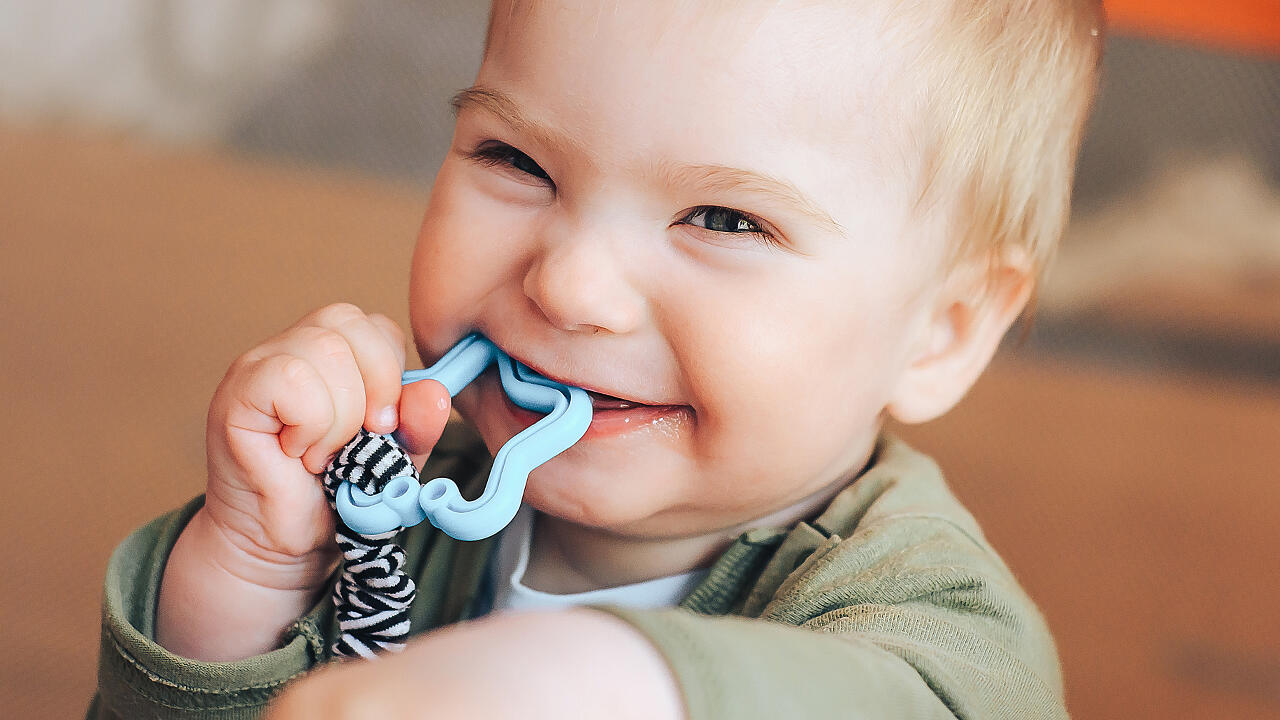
(387, 417)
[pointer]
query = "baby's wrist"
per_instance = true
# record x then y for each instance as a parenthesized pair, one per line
(219, 604)
(228, 551)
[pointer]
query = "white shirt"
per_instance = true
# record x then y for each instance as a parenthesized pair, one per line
(510, 593)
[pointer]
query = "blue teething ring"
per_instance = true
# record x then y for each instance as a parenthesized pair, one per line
(402, 503)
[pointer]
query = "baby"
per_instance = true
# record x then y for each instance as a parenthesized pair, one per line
(754, 231)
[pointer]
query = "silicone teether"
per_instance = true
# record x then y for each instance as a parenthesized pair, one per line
(403, 503)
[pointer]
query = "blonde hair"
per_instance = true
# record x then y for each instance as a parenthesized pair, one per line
(1007, 87)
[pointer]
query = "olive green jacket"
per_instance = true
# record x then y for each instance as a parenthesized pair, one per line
(890, 604)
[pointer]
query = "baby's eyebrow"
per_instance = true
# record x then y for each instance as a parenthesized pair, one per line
(502, 106)
(703, 176)
(725, 178)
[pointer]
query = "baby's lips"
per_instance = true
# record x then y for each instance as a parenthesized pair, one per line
(424, 411)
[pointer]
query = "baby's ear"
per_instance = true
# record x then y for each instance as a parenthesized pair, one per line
(978, 302)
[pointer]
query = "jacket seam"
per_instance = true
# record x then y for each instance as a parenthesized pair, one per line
(987, 550)
(160, 680)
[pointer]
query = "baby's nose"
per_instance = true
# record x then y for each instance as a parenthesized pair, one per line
(580, 285)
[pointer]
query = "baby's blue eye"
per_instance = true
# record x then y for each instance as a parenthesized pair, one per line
(524, 163)
(497, 153)
(722, 219)
(730, 222)
(727, 220)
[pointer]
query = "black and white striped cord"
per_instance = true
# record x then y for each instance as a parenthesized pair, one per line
(373, 593)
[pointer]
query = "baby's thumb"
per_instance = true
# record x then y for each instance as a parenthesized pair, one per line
(424, 411)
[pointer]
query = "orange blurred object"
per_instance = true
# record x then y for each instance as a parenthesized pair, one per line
(1240, 25)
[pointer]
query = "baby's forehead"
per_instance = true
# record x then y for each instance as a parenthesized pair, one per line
(819, 43)
(831, 72)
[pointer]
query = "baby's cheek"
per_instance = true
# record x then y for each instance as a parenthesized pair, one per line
(796, 446)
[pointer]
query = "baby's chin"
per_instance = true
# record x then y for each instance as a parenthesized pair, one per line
(589, 499)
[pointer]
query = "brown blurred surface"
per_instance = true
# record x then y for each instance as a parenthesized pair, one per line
(130, 278)
(1217, 310)
(1136, 509)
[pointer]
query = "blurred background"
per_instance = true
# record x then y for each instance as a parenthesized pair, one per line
(182, 178)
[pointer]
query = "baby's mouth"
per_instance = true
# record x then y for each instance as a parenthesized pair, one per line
(611, 415)
(600, 401)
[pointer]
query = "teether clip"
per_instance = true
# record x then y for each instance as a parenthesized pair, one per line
(403, 503)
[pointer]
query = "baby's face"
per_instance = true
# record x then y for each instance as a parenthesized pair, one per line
(701, 215)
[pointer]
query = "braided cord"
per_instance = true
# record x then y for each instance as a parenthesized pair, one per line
(373, 593)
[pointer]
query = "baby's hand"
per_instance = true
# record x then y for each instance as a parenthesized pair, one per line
(256, 555)
(282, 411)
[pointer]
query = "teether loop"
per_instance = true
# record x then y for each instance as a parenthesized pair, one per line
(395, 507)
(568, 413)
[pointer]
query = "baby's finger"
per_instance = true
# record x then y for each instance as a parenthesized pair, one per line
(379, 364)
(290, 396)
(424, 411)
(393, 333)
(303, 406)
(331, 356)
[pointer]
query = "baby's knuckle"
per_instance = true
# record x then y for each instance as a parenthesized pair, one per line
(388, 324)
(327, 343)
(268, 367)
(333, 347)
(295, 370)
(245, 362)
(338, 314)
(307, 334)
(245, 374)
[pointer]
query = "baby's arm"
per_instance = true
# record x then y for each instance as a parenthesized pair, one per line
(910, 616)
(566, 664)
(256, 556)
(591, 664)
